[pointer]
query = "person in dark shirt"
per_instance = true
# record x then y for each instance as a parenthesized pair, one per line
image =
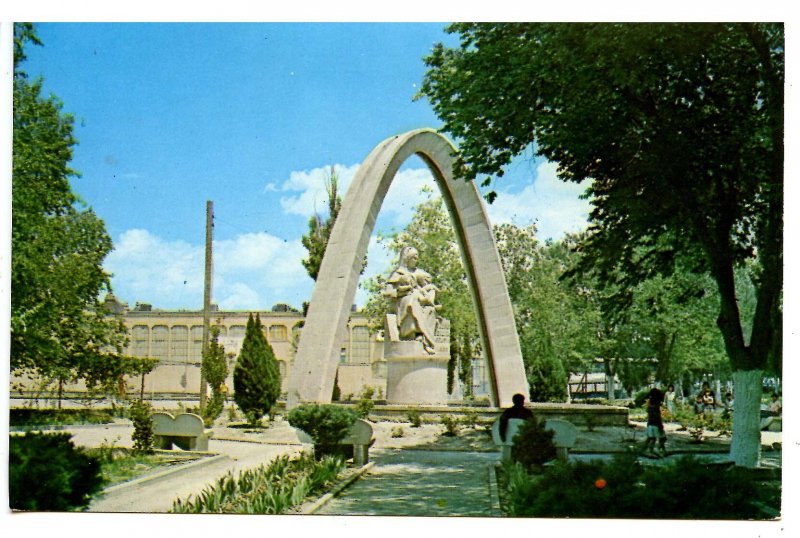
(518, 410)
(655, 426)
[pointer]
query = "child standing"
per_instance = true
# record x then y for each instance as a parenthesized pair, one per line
(655, 426)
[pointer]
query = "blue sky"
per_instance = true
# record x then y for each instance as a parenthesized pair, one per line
(251, 116)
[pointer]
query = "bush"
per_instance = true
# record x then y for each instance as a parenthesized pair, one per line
(470, 419)
(46, 417)
(140, 414)
(451, 425)
(415, 418)
(623, 488)
(533, 445)
(256, 378)
(365, 404)
(48, 473)
(327, 425)
(213, 408)
(398, 432)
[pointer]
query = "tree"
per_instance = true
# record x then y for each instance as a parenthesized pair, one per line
(431, 233)
(319, 231)
(59, 329)
(215, 371)
(256, 378)
(680, 129)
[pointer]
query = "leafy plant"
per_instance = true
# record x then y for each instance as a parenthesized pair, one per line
(414, 417)
(624, 488)
(533, 444)
(214, 368)
(47, 472)
(256, 377)
(269, 489)
(327, 424)
(470, 419)
(365, 405)
(140, 415)
(451, 425)
(397, 432)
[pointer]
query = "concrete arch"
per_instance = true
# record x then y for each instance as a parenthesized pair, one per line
(312, 376)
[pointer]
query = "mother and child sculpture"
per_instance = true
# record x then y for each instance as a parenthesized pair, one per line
(412, 293)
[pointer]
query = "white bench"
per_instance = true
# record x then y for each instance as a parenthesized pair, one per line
(565, 435)
(185, 430)
(360, 436)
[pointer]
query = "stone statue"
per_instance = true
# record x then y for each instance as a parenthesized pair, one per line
(413, 297)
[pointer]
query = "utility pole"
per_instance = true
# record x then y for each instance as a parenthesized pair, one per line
(207, 297)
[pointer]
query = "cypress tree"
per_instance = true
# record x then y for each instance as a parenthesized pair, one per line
(256, 378)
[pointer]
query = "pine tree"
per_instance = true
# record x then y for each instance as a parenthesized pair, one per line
(256, 378)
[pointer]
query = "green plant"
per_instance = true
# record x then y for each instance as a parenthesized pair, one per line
(213, 408)
(470, 419)
(214, 368)
(106, 452)
(327, 425)
(140, 415)
(688, 488)
(233, 416)
(414, 417)
(269, 489)
(47, 472)
(365, 405)
(451, 425)
(398, 432)
(256, 378)
(533, 445)
(591, 421)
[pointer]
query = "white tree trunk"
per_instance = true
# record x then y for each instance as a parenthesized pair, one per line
(746, 440)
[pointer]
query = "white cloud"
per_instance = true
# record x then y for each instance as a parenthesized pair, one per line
(251, 271)
(310, 188)
(553, 204)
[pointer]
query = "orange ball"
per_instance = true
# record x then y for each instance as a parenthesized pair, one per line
(600, 483)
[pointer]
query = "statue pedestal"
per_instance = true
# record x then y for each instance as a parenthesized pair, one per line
(414, 376)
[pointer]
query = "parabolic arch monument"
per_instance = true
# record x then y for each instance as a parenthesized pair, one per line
(313, 374)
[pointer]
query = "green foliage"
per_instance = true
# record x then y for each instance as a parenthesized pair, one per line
(140, 415)
(414, 417)
(269, 489)
(623, 488)
(48, 473)
(470, 419)
(327, 425)
(59, 329)
(365, 405)
(398, 432)
(533, 445)
(256, 377)
(451, 425)
(214, 368)
(45, 417)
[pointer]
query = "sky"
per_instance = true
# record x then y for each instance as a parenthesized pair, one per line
(250, 116)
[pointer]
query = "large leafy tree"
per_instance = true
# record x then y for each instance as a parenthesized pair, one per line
(680, 129)
(256, 377)
(59, 329)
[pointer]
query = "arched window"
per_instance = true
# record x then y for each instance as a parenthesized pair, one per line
(140, 341)
(179, 343)
(359, 349)
(278, 333)
(160, 341)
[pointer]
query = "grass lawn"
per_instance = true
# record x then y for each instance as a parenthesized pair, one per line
(125, 465)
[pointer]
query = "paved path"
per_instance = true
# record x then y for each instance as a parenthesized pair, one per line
(419, 483)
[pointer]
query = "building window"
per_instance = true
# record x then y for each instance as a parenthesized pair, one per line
(160, 342)
(278, 333)
(179, 343)
(140, 341)
(359, 348)
(196, 342)
(379, 369)
(236, 332)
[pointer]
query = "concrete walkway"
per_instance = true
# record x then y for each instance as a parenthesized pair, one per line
(419, 483)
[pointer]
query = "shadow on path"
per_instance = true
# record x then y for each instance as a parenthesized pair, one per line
(419, 483)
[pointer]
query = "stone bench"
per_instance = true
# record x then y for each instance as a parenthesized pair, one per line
(565, 435)
(355, 444)
(186, 431)
(360, 437)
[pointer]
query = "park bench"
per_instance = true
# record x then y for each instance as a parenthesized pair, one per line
(360, 438)
(186, 431)
(565, 435)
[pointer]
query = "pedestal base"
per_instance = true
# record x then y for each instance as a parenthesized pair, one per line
(419, 380)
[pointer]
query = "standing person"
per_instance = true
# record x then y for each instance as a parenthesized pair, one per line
(518, 410)
(655, 426)
(709, 401)
(669, 398)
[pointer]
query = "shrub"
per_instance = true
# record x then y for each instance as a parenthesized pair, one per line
(533, 445)
(397, 432)
(623, 488)
(470, 419)
(213, 408)
(415, 418)
(327, 425)
(451, 425)
(48, 473)
(46, 417)
(256, 378)
(365, 404)
(142, 426)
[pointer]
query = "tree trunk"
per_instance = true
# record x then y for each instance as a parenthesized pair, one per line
(746, 439)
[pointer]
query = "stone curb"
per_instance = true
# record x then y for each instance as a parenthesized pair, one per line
(165, 473)
(494, 491)
(322, 501)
